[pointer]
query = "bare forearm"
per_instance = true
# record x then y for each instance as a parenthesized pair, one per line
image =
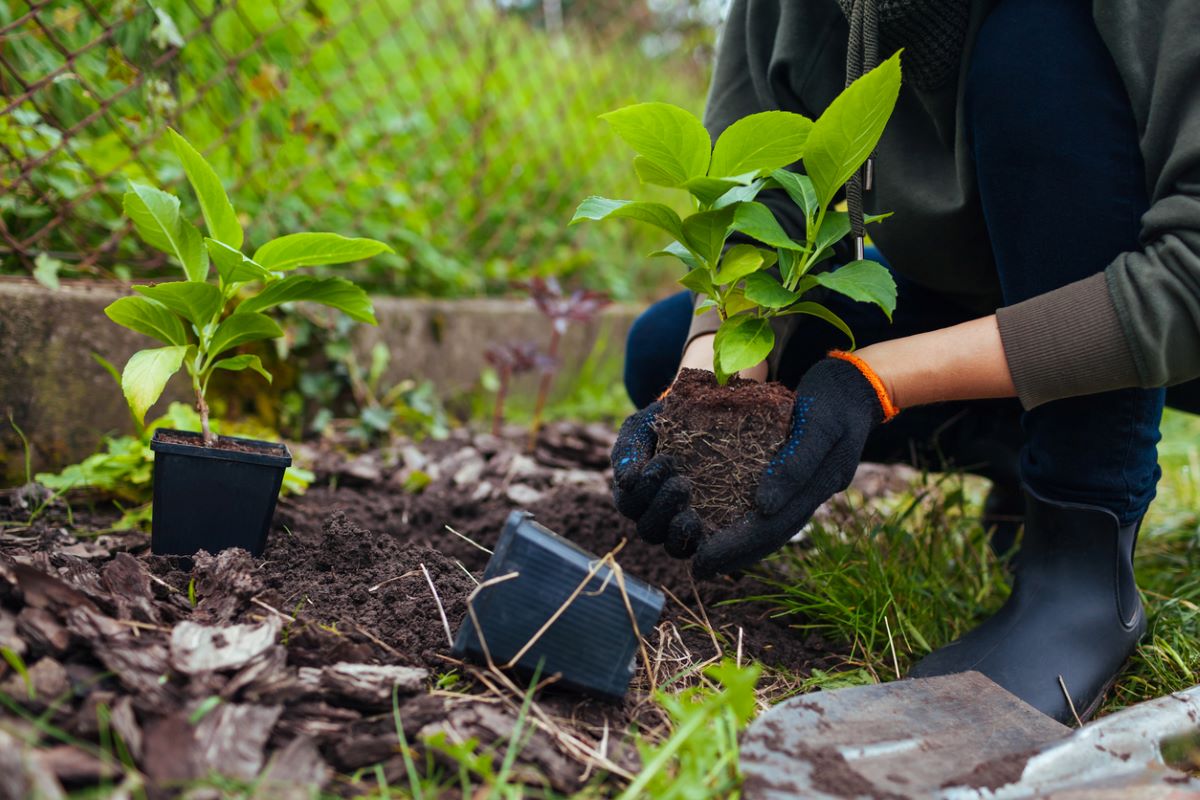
(962, 362)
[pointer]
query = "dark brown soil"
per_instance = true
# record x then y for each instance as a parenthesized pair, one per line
(722, 438)
(98, 621)
(231, 444)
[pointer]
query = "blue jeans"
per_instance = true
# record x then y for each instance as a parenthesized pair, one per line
(1062, 186)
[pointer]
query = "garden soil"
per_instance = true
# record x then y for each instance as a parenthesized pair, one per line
(722, 438)
(281, 668)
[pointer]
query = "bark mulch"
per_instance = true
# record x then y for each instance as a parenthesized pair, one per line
(283, 669)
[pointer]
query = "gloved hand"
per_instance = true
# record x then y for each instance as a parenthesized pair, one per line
(648, 489)
(838, 402)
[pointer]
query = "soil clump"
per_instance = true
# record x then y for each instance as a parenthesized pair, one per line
(722, 438)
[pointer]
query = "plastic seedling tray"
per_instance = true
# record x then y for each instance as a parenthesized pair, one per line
(213, 498)
(592, 644)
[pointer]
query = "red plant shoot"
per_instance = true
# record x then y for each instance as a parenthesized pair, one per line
(561, 309)
(509, 359)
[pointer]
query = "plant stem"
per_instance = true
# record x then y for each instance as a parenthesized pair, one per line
(202, 409)
(543, 390)
(498, 413)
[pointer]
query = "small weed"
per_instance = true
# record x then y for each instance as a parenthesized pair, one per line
(700, 758)
(18, 664)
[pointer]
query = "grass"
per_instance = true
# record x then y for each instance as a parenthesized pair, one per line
(907, 575)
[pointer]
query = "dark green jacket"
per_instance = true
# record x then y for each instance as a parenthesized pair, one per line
(1137, 321)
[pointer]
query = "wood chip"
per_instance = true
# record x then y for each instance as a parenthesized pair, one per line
(197, 649)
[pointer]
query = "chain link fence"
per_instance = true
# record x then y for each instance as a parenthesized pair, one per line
(463, 132)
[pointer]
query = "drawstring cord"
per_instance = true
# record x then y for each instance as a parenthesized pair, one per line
(862, 55)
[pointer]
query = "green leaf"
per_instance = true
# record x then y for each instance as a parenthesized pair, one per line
(848, 131)
(800, 189)
(763, 289)
(760, 142)
(866, 281)
(143, 316)
(312, 249)
(218, 212)
(834, 227)
(742, 194)
(656, 214)
(738, 262)
(818, 310)
(45, 270)
(679, 251)
(708, 190)
(146, 375)
(232, 264)
(736, 302)
(155, 214)
(241, 328)
(198, 303)
(700, 281)
(245, 361)
(743, 342)
(337, 293)
(705, 232)
(756, 221)
(673, 144)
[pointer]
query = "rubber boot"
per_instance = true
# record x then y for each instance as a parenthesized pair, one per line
(1074, 612)
(1003, 516)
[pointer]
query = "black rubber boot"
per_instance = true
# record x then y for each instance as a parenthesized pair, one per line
(1003, 516)
(1074, 612)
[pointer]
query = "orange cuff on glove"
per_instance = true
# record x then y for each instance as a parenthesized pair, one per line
(885, 401)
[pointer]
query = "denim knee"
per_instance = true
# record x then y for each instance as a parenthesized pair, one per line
(654, 347)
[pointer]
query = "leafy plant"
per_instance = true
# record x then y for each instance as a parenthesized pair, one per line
(700, 758)
(198, 321)
(724, 180)
(561, 309)
(509, 359)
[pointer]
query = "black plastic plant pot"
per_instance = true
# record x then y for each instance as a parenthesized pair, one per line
(213, 498)
(592, 642)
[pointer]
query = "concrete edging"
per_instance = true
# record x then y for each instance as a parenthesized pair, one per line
(65, 402)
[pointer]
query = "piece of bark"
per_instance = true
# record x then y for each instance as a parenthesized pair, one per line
(265, 676)
(317, 719)
(43, 630)
(85, 724)
(296, 771)
(229, 740)
(9, 638)
(224, 585)
(197, 649)
(22, 775)
(73, 766)
(124, 724)
(129, 585)
(43, 683)
(138, 663)
(42, 590)
(371, 685)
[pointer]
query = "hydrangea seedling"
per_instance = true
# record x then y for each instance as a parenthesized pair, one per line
(723, 180)
(198, 321)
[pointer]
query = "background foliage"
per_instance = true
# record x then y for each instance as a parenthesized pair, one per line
(461, 132)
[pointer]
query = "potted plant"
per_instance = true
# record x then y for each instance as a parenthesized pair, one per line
(764, 274)
(215, 492)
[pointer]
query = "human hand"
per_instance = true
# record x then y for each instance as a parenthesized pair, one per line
(648, 489)
(838, 402)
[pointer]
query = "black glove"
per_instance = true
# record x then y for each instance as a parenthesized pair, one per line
(837, 406)
(648, 489)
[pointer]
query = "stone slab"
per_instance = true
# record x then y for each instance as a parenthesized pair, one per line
(65, 402)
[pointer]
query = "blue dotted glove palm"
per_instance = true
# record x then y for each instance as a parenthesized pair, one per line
(649, 490)
(837, 406)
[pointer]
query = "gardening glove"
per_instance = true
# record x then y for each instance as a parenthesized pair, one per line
(648, 489)
(838, 402)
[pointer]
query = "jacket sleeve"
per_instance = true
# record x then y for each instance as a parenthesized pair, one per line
(765, 54)
(1143, 312)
